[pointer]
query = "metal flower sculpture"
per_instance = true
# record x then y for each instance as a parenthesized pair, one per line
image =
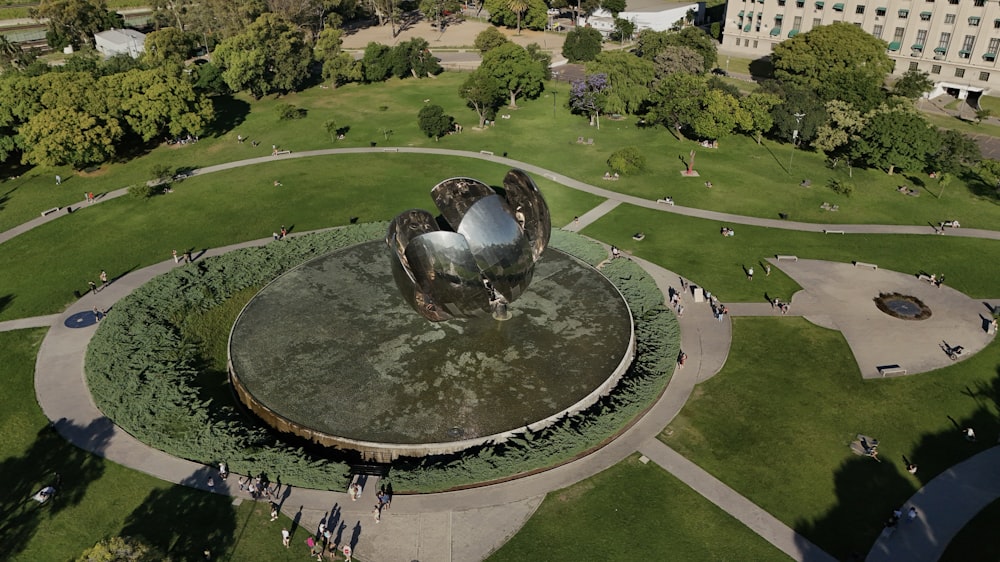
(478, 256)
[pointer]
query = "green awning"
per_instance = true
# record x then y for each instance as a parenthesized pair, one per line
(800, 3)
(894, 46)
(904, 13)
(775, 31)
(925, 15)
(990, 56)
(839, 7)
(973, 20)
(793, 33)
(963, 52)
(779, 17)
(740, 14)
(750, 15)
(918, 47)
(880, 11)
(819, 4)
(747, 27)
(941, 50)
(761, 1)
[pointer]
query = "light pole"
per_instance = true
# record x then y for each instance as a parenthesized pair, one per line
(795, 138)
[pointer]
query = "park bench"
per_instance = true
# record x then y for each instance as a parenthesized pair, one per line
(370, 469)
(49, 211)
(486, 152)
(891, 370)
(826, 231)
(829, 207)
(780, 257)
(590, 141)
(864, 264)
(925, 277)
(390, 150)
(280, 152)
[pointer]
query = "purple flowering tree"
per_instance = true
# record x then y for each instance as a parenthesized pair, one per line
(588, 96)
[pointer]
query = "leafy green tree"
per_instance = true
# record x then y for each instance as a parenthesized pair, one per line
(74, 22)
(519, 7)
(627, 160)
(535, 16)
(338, 67)
(829, 58)
(624, 30)
(719, 116)
(515, 70)
(629, 78)
(67, 136)
(839, 131)
(697, 40)
(270, 56)
(489, 39)
(122, 549)
(169, 44)
(330, 126)
(376, 64)
(434, 122)
(589, 97)
(10, 53)
(614, 6)
(803, 102)
(208, 79)
(154, 102)
(650, 43)
(913, 84)
(758, 106)
(482, 93)
(413, 58)
(436, 10)
(674, 102)
(582, 44)
(896, 138)
(119, 64)
(678, 59)
(170, 13)
(956, 153)
(218, 20)
(542, 57)
(983, 113)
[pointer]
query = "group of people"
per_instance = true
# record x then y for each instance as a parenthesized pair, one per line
(182, 258)
(258, 487)
(726, 231)
(610, 176)
(280, 234)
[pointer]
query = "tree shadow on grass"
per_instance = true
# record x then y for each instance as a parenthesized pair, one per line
(868, 490)
(184, 522)
(5, 301)
(49, 461)
(229, 114)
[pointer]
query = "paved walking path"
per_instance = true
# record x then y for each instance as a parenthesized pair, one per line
(445, 526)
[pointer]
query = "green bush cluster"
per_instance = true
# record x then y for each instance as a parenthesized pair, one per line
(143, 372)
(627, 160)
(143, 369)
(287, 112)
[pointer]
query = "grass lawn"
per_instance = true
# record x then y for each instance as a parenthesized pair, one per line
(776, 423)
(751, 179)
(633, 511)
(694, 248)
(98, 498)
(242, 204)
(971, 543)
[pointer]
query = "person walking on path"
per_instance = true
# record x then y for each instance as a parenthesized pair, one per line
(93, 287)
(911, 514)
(104, 278)
(750, 273)
(285, 537)
(377, 513)
(58, 179)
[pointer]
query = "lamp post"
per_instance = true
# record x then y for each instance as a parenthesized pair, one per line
(553, 103)
(795, 138)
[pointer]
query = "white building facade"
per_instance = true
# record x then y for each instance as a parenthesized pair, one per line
(955, 41)
(603, 21)
(120, 42)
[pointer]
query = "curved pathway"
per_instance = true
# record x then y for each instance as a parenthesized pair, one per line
(461, 525)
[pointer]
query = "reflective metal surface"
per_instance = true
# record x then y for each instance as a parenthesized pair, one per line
(484, 262)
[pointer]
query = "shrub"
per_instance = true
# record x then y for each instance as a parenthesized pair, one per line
(582, 44)
(287, 112)
(715, 30)
(145, 189)
(433, 121)
(627, 160)
(842, 187)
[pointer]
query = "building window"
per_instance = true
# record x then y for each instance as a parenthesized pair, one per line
(800, 3)
(879, 12)
(921, 39)
(959, 73)
(967, 43)
(979, 3)
(996, 23)
(817, 22)
(797, 24)
(914, 66)
(903, 14)
(943, 43)
(950, 18)
(781, 2)
(984, 76)
(898, 35)
(994, 45)
(953, 1)
(925, 16)
(755, 42)
(936, 69)
(860, 9)
(877, 31)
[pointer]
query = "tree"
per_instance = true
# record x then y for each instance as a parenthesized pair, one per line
(519, 7)
(674, 102)
(482, 93)
(435, 10)
(376, 64)
(534, 15)
(678, 59)
(983, 113)
(629, 78)
(582, 44)
(330, 126)
(698, 41)
(627, 160)
(154, 102)
(841, 54)
(434, 122)
(218, 20)
(10, 53)
(956, 152)
(270, 56)
(169, 44)
(758, 106)
(624, 30)
(414, 58)
(542, 57)
(74, 22)
(121, 549)
(489, 39)
(614, 6)
(720, 114)
(838, 133)
(589, 96)
(896, 138)
(338, 67)
(61, 136)
(803, 102)
(913, 84)
(515, 70)
(650, 43)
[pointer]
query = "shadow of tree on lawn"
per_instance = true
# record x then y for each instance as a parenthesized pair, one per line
(49, 461)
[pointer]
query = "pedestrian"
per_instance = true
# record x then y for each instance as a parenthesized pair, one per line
(176, 257)
(284, 232)
(327, 535)
(322, 529)
(58, 179)
(911, 468)
(784, 308)
(377, 513)
(750, 273)
(90, 196)
(239, 139)
(911, 514)
(93, 287)
(681, 359)
(243, 484)
(187, 256)
(680, 310)
(970, 434)
(277, 183)
(274, 511)
(285, 537)
(97, 314)
(354, 491)
(347, 553)
(767, 270)
(104, 278)
(211, 483)
(223, 471)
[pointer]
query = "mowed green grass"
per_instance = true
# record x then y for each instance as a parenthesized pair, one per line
(633, 511)
(776, 423)
(694, 248)
(750, 179)
(98, 498)
(48, 263)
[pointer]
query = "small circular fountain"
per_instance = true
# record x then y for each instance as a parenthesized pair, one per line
(904, 307)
